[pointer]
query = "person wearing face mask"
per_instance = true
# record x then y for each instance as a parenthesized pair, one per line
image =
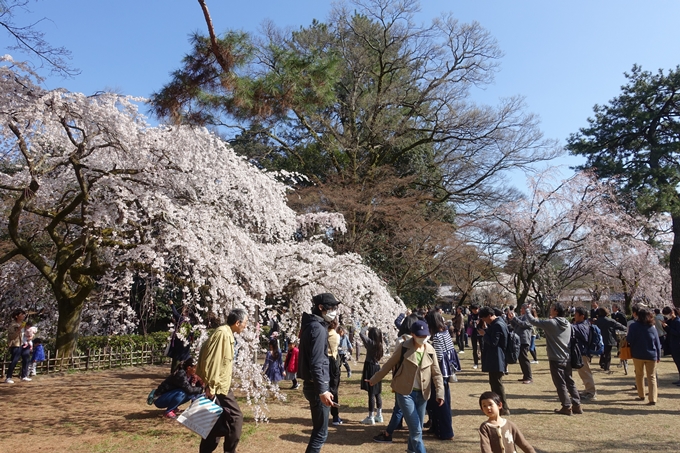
(671, 325)
(313, 367)
(416, 372)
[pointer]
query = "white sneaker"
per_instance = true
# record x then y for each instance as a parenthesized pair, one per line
(474, 366)
(378, 418)
(534, 362)
(461, 352)
(368, 421)
(9, 381)
(26, 379)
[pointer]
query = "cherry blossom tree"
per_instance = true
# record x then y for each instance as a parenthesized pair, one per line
(548, 226)
(573, 233)
(92, 197)
(627, 260)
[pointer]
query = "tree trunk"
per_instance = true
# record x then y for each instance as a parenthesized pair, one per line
(675, 261)
(67, 327)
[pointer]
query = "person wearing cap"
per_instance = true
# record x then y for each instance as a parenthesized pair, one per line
(313, 367)
(416, 369)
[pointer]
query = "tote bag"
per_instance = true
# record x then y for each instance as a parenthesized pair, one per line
(624, 350)
(201, 416)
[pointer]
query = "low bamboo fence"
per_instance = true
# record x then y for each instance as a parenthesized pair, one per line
(95, 359)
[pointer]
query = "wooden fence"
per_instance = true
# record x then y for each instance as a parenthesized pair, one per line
(95, 359)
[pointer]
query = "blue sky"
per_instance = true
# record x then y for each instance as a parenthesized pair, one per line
(564, 57)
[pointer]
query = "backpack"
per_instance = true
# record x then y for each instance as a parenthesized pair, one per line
(512, 348)
(595, 342)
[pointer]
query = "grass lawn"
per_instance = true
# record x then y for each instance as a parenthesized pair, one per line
(107, 412)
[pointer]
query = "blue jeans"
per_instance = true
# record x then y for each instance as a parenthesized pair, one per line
(172, 400)
(413, 407)
(395, 419)
(320, 414)
(17, 352)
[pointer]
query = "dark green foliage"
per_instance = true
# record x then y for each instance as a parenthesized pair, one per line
(374, 110)
(634, 141)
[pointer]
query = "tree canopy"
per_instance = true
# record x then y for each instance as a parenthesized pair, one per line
(368, 103)
(92, 198)
(634, 141)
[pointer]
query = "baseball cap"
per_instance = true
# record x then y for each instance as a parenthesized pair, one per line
(420, 329)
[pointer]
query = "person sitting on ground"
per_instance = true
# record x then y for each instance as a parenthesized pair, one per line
(180, 387)
(497, 434)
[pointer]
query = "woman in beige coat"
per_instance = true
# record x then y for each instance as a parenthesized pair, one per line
(415, 370)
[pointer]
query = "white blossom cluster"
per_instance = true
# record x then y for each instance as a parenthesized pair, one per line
(172, 205)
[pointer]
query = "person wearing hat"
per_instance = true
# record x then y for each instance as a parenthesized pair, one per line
(313, 367)
(416, 369)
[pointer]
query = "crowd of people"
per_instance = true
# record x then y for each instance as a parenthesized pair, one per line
(422, 363)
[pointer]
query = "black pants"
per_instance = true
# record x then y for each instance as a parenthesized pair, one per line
(477, 345)
(440, 416)
(229, 426)
(334, 383)
(319, 418)
(460, 339)
(17, 352)
(524, 362)
(606, 358)
(374, 402)
(496, 383)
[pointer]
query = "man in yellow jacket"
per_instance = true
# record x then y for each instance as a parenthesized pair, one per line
(215, 366)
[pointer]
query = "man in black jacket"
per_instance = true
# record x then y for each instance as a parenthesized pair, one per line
(495, 338)
(313, 367)
(582, 335)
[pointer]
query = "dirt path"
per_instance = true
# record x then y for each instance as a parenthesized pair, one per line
(107, 412)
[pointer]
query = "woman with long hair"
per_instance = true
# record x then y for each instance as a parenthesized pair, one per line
(373, 342)
(440, 416)
(645, 348)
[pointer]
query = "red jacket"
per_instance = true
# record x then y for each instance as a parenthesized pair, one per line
(291, 364)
